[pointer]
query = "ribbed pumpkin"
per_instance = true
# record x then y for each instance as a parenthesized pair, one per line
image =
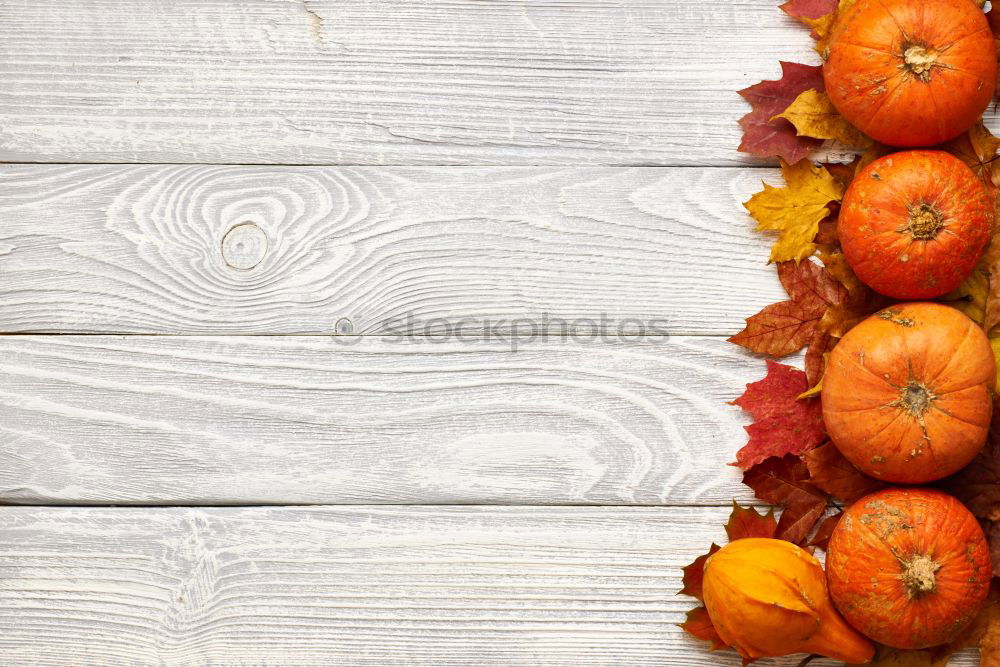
(914, 224)
(909, 568)
(906, 395)
(911, 72)
(768, 597)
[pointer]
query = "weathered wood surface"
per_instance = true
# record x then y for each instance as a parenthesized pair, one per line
(287, 419)
(199, 249)
(353, 586)
(571, 82)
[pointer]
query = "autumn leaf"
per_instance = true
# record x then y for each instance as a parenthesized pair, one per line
(822, 537)
(989, 642)
(844, 5)
(767, 136)
(829, 471)
(995, 346)
(785, 481)
(970, 296)
(700, 626)
(874, 152)
(977, 485)
(746, 522)
(783, 328)
(809, 9)
(795, 210)
(974, 633)
(894, 657)
(978, 149)
(813, 115)
(815, 364)
(861, 300)
(978, 632)
(694, 574)
(782, 425)
(990, 264)
(993, 539)
(819, 15)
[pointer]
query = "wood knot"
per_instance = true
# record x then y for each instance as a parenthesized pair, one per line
(244, 246)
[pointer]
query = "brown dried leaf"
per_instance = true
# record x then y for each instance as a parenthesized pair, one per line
(785, 481)
(989, 642)
(977, 485)
(822, 537)
(829, 471)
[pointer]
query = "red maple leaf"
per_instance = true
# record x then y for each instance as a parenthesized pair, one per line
(822, 537)
(782, 425)
(809, 9)
(747, 522)
(832, 473)
(786, 327)
(694, 574)
(785, 481)
(700, 625)
(767, 136)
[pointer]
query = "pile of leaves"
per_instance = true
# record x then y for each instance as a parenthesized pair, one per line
(788, 461)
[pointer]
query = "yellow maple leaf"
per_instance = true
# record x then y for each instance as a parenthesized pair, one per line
(970, 297)
(845, 5)
(813, 115)
(816, 389)
(795, 210)
(822, 29)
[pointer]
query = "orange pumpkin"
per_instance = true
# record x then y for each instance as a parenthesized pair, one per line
(768, 597)
(906, 395)
(914, 224)
(911, 73)
(909, 568)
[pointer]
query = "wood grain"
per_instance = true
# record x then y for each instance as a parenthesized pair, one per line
(328, 420)
(353, 586)
(461, 82)
(198, 249)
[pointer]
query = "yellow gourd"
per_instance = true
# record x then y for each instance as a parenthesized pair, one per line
(769, 598)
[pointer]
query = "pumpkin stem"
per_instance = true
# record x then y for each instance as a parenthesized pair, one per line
(919, 575)
(919, 60)
(915, 398)
(925, 222)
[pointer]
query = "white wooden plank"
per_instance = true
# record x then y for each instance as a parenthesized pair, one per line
(293, 419)
(570, 82)
(182, 249)
(363, 586)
